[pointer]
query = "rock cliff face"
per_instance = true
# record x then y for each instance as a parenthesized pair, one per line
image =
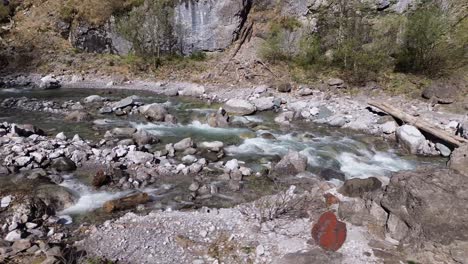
(98, 39)
(210, 25)
(200, 25)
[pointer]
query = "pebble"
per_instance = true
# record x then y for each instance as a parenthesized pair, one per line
(13, 236)
(5, 202)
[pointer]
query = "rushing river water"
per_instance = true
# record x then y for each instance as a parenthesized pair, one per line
(255, 139)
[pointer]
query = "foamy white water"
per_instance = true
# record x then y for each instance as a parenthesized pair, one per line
(194, 127)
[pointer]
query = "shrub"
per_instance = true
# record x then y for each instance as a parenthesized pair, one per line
(427, 47)
(277, 46)
(4, 12)
(198, 56)
(151, 30)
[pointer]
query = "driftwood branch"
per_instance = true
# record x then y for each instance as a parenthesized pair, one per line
(245, 35)
(420, 124)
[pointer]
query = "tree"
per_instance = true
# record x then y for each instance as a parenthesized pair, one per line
(151, 29)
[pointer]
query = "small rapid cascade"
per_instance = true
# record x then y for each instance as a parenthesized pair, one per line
(90, 199)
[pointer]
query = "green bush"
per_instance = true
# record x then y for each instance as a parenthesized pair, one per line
(198, 56)
(428, 46)
(277, 46)
(4, 12)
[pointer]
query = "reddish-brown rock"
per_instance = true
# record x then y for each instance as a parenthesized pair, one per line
(331, 199)
(100, 179)
(328, 232)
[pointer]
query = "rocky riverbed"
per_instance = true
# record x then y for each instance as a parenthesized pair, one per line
(255, 167)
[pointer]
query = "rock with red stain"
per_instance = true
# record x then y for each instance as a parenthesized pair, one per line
(328, 232)
(331, 199)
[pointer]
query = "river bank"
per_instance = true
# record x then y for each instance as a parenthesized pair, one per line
(188, 154)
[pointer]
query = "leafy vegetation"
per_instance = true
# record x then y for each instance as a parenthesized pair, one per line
(349, 39)
(4, 12)
(96, 11)
(151, 30)
(429, 46)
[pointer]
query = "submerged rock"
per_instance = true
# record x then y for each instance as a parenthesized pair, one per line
(63, 164)
(93, 99)
(143, 137)
(154, 112)
(329, 174)
(78, 116)
(291, 164)
(219, 119)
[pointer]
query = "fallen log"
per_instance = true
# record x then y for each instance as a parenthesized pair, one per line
(424, 126)
(125, 202)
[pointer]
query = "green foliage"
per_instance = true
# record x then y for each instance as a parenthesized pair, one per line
(428, 46)
(96, 11)
(198, 56)
(277, 46)
(151, 30)
(310, 53)
(4, 12)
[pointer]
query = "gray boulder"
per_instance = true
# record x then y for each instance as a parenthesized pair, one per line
(63, 164)
(129, 101)
(330, 174)
(78, 116)
(410, 138)
(239, 107)
(263, 103)
(49, 82)
(183, 144)
(459, 160)
(431, 203)
(193, 90)
(154, 112)
(123, 131)
(143, 137)
(358, 187)
(291, 164)
(139, 157)
(93, 99)
(219, 119)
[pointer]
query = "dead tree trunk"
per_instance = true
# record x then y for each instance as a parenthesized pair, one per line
(420, 124)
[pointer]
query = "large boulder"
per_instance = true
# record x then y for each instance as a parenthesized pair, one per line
(459, 160)
(193, 90)
(143, 137)
(49, 82)
(183, 144)
(264, 103)
(154, 112)
(93, 99)
(219, 119)
(63, 164)
(430, 204)
(358, 187)
(239, 107)
(291, 164)
(410, 138)
(442, 92)
(26, 130)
